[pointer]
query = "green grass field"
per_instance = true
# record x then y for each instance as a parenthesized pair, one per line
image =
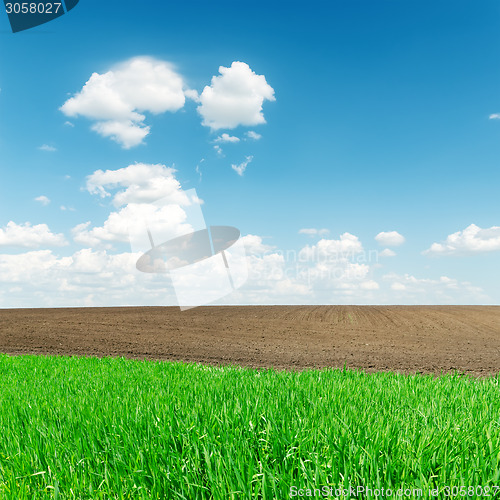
(116, 428)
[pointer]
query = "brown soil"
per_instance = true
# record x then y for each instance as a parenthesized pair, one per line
(375, 338)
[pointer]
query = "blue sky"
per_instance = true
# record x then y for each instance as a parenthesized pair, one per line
(383, 121)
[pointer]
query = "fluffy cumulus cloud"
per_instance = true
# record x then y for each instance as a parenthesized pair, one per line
(126, 224)
(234, 98)
(472, 240)
(390, 238)
(139, 183)
(117, 99)
(148, 197)
(30, 236)
(348, 244)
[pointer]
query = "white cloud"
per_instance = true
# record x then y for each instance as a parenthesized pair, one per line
(46, 147)
(192, 94)
(118, 98)
(69, 124)
(127, 133)
(387, 252)
(494, 116)
(336, 268)
(390, 238)
(29, 236)
(97, 277)
(227, 138)
(254, 245)
(324, 273)
(43, 200)
(472, 240)
(268, 282)
(443, 290)
(235, 98)
(240, 169)
(253, 135)
(170, 221)
(22, 267)
(347, 245)
(64, 208)
(86, 278)
(313, 231)
(142, 183)
(136, 189)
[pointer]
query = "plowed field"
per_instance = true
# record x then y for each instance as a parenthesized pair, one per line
(426, 339)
